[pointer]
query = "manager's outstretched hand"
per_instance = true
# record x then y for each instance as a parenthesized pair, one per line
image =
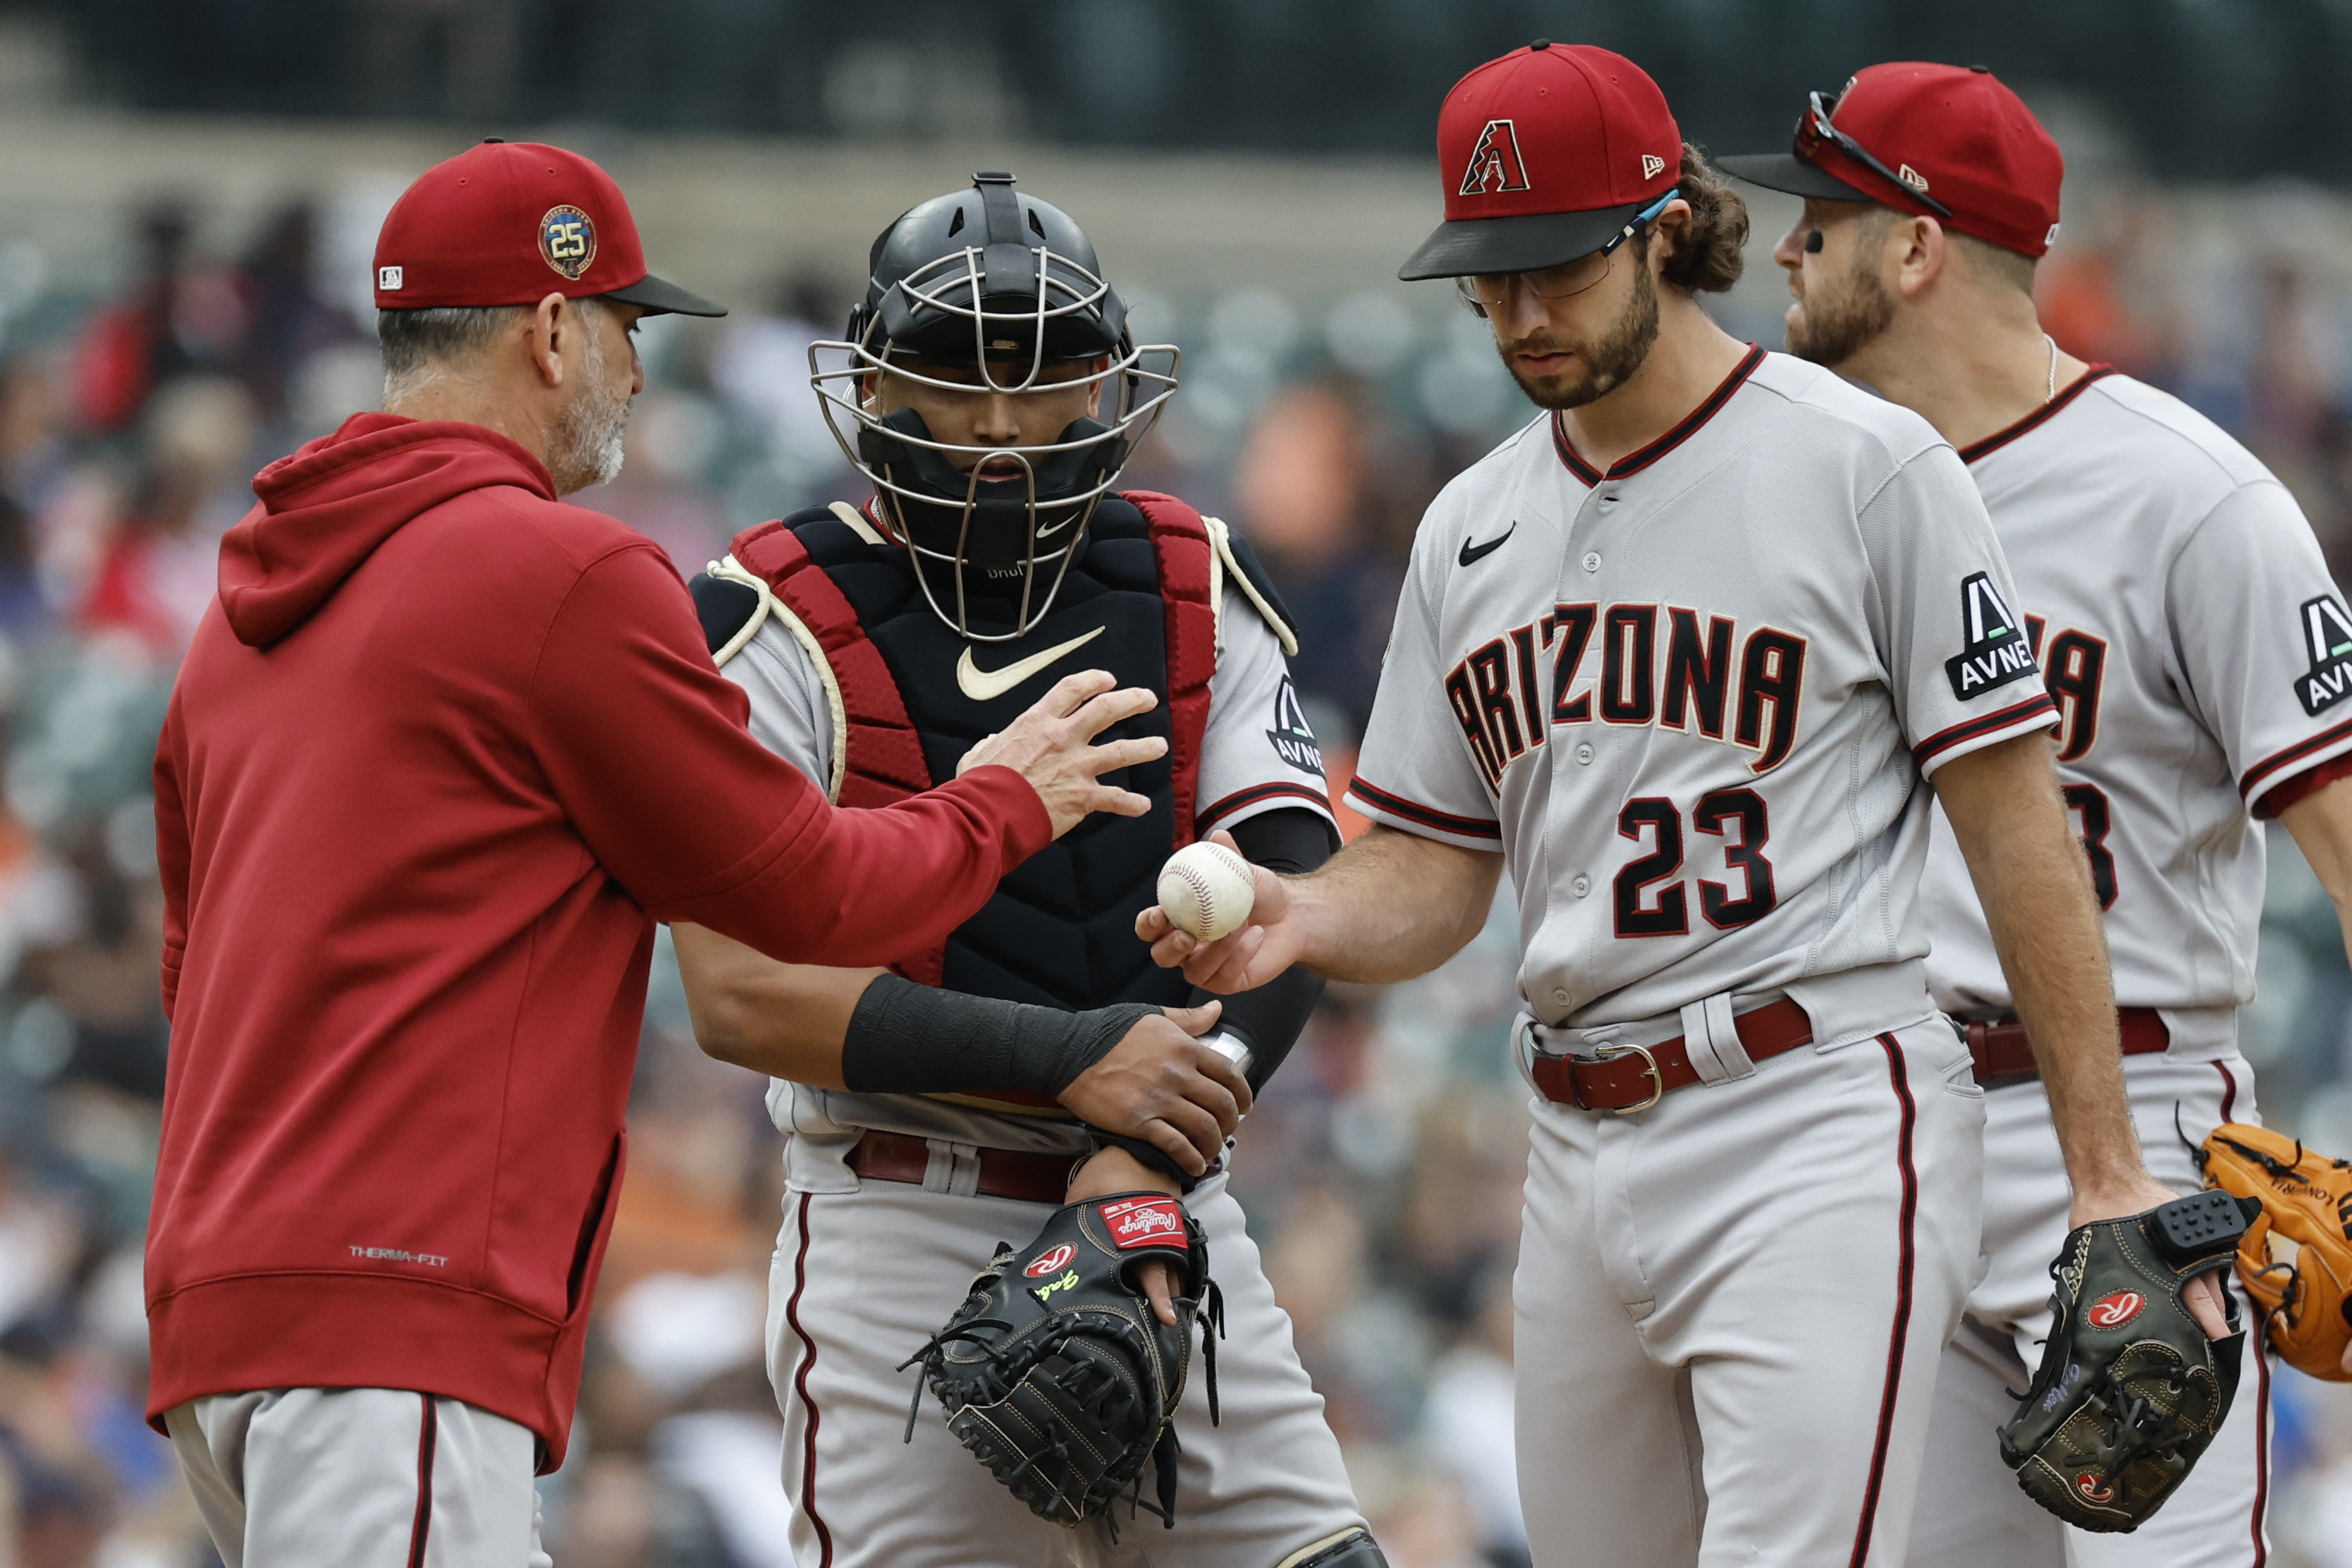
(1052, 746)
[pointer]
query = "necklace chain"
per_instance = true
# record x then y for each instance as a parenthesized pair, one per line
(2050, 395)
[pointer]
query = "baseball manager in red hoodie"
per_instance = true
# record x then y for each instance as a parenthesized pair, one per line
(442, 753)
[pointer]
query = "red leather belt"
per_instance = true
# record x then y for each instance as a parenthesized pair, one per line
(1003, 1173)
(1635, 1078)
(2004, 1057)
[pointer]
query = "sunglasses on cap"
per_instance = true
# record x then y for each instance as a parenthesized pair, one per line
(1814, 128)
(1484, 291)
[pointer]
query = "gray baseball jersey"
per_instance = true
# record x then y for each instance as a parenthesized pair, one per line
(1257, 755)
(2201, 656)
(1691, 698)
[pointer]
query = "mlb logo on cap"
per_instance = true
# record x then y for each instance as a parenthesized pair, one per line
(1548, 153)
(509, 223)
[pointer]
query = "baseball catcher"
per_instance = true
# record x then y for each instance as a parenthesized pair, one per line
(1032, 1100)
(2295, 1257)
(2130, 1389)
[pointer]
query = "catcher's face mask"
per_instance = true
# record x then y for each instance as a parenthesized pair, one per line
(974, 297)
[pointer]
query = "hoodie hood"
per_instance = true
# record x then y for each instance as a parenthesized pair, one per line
(325, 509)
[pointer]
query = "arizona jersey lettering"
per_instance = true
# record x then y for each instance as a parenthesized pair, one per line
(1500, 691)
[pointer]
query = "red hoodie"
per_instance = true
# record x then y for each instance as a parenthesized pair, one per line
(441, 753)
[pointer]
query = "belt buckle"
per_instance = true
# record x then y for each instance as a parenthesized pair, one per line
(1649, 1064)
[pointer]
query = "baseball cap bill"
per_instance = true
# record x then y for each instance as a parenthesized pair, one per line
(1547, 154)
(1949, 141)
(509, 223)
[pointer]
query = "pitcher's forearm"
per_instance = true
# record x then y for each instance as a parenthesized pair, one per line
(1392, 905)
(2058, 979)
(2320, 825)
(2035, 887)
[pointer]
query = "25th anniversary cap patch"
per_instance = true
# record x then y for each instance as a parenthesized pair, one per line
(567, 241)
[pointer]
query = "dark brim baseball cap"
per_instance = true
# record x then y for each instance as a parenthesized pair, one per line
(1547, 153)
(1465, 246)
(509, 223)
(1793, 176)
(1948, 141)
(660, 296)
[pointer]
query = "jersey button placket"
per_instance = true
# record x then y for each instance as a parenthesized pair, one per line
(1560, 833)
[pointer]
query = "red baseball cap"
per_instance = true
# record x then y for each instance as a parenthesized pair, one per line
(1949, 136)
(509, 223)
(1547, 153)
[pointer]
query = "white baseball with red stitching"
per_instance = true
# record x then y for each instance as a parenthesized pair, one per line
(1206, 891)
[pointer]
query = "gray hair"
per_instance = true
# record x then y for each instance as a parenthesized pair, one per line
(419, 344)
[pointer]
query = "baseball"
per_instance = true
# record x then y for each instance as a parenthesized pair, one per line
(1206, 890)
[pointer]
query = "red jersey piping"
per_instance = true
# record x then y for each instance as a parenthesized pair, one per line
(1635, 461)
(1999, 438)
(1380, 800)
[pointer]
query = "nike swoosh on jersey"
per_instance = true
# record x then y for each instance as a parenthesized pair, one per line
(1474, 554)
(987, 685)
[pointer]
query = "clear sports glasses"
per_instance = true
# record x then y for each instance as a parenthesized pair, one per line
(1485, 291)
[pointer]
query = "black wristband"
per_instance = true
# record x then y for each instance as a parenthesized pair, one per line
(1151, 1157)
(1292, 840)
(905, 1038)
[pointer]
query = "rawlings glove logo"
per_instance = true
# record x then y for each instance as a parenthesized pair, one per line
(2115, 1310)
(1052, 1262)
(1144, 1222)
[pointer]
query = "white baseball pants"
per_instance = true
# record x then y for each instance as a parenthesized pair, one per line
(360, 1477)
(862, 1279)
(1972, 1514)
(1731, 1308)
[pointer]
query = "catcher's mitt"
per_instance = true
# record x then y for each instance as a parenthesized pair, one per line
(2296, 1258)
(1056, 1373)
(2129, 1391)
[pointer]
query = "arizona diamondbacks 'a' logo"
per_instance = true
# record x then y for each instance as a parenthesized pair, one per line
(1495, 163)
(1292, 741)
(1994, 652)
(2328, 640)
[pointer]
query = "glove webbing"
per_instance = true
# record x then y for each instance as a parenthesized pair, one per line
(931, 1347)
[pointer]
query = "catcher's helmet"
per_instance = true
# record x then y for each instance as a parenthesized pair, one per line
(1009, 285)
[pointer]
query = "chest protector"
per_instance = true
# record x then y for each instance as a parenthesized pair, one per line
(1140, 602)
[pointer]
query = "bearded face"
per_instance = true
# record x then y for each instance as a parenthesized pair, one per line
(585, 447)
(1603, 363)
(1836, 319)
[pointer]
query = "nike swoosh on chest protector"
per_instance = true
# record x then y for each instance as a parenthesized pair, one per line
(1472, 553)
(987, 685)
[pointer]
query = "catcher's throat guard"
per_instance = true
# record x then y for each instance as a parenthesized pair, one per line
(1056, 1374)
(1005, 290)
(2130, 1391)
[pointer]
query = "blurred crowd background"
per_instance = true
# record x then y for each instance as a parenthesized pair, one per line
(192, 303)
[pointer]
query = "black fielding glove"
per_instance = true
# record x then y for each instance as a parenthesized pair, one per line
(1056, 1374)
(2129, 1391)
